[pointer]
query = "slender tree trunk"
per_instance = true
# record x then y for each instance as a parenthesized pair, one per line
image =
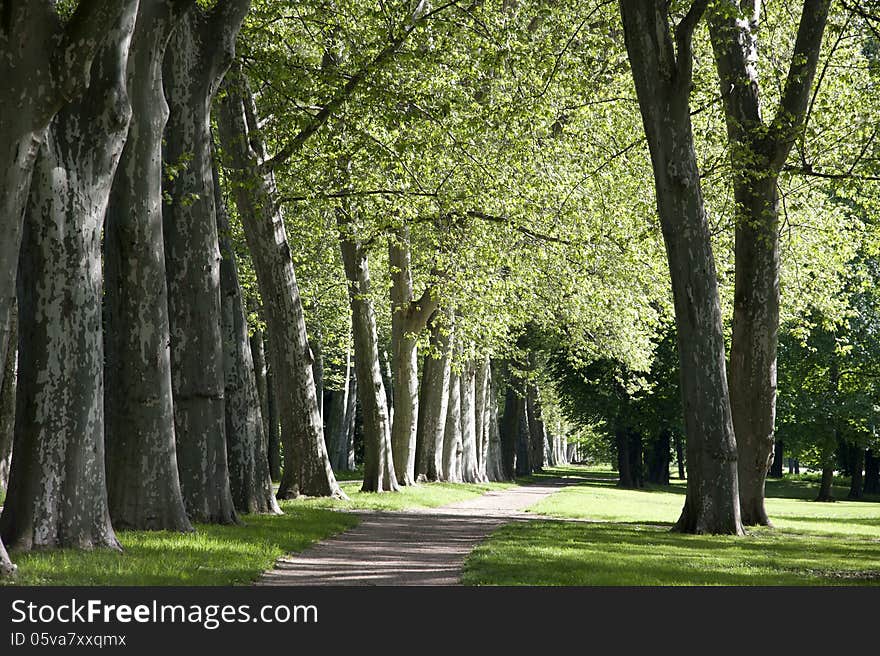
(306, 464)
(514, 408)
(826, 492)
(258, 356)
(379, 474)
(776, 465)
(663, 73)
(142, 473)
(758, 151)
(57, 488)
(433, 402)
(351, 411)
(857, 464)
(274, 436)
(494, 457)
(337, 425)
(200, 52)
(482, 385)
(679, 455)
(316, 345)
(872, 473)
(452, 446)
(624, 472)
(7, 400)
(246, 444)
(470, 470)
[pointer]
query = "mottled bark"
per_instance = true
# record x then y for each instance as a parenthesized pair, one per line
(409, 317)
(379, 474)
(433, 401)
(246, 444)
(7, 400)
(452, 445)
(494, 455)
(143, 486)
(757, 153)
(44, 64)
(306, 464)
(470, 471)
(57, 488)
(662, 72)
(200, 52)
(482, 389)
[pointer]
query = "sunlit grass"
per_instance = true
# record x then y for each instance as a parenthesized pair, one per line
(626, 540)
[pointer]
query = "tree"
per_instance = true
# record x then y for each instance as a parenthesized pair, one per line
(58, 492)
(758, 151)
(661, 59)
(141, 460)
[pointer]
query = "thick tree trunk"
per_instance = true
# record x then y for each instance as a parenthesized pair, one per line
(470, 470)
(379, 474)
(662, 74)
(246, 445)
(142, 474)
(7, 400)
(537, 431)
(872, 473)
(306, 464)
(452, 446)
(44, 64)
(826, 492)
(433, 403)
(57, 488)
(200, 51)
(857, 465)
(757, 153)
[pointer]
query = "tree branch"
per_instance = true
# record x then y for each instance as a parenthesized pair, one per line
(684, 34)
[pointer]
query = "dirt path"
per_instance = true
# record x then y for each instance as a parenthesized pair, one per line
(425, 546)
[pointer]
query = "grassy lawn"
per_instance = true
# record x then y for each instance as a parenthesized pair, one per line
(224, 555)
(627, 541)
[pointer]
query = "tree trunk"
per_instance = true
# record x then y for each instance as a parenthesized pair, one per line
(470, 471)
(200, 52)
(351, 412)
(662, 75)
(872, 473)
(757, 153)
(7, 400)
(306, 464)
(57, 489)
(142, 474)
(776, 465)
(482, 387)
(274, 436)
(246, 445)
(658, 460)
(338, 421)
(433, 402)
(379, 474)
(679, 455)
(258, 357)
(317, 349)
(514, 408)
(494, 455)
(624, 472)
(44, 64)
(452, 446)
(826, 492)
(857, 464)
(537, 432)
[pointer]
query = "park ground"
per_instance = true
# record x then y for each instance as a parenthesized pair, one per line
(589, 533)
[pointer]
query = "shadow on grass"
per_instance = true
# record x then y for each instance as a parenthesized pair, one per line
(568, 553)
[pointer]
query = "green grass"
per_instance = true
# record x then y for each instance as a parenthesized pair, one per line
(224, 555)
(626, 540)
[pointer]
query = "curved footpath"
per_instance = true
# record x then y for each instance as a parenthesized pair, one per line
(423, 546)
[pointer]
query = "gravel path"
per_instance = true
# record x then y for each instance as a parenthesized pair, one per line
(425, 546)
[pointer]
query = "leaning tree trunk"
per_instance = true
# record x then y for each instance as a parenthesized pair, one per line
(57, 489)
(143, 486)
(307, 468)
(872, 473)
(451, 472)
(433, 402)
(470, 472)
(409, 317)
(758, 152)
(7, 400)
(663, 75)
(199, 54)
(44, 64)
(379, 474)
(246, 444)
